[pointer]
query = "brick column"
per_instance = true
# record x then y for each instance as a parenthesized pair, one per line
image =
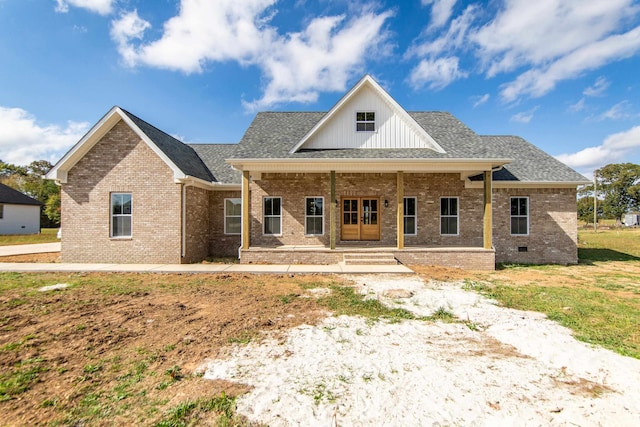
(400, 216)
(245, 210)
(487, 220)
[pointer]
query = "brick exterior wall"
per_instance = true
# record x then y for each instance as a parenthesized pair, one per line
(553, 227)
(553, 220)
(197, 226)
(221, 244)
(121, 162)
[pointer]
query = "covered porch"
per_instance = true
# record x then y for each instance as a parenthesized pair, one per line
(364, 211)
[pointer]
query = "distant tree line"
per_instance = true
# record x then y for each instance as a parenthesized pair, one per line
(617, 190)
(30, 181)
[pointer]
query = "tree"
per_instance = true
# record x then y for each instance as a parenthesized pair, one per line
(585, 209)
(30, 181)
(52, 208)
(620, 185)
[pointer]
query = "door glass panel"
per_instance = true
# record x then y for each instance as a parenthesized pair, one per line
(354, 218)
(346, 205)
(374, 205)
(374, 218)
(354, 205)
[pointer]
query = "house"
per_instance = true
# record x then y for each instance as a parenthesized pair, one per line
(363, 179)
(19, 213)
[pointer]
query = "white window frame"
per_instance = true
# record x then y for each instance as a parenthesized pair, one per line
(365, 122)
(265, 216)
(306, 216)
(457, 216)
(226, 215)
(112, 215)
(414, 216)
(511, 216)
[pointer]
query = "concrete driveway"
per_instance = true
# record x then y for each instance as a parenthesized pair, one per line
(37, 248)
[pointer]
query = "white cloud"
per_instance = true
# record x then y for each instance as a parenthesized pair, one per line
(453, 39)
(23, 140)
(544, 42)
(321, 58)
(324, 55)
(436, 73)
(619, 111)
(480, 100)
(539, 81)
(524, 116)
(441, 11)
(125, 29)
(578, 106)
(597, 88)
(103, 7)
(614, 149)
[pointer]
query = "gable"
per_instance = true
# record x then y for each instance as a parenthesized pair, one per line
(393, 127)
(179, 157)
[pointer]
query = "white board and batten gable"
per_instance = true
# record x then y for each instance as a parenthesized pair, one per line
(393, 127)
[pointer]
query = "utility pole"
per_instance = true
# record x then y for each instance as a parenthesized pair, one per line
(595, 203)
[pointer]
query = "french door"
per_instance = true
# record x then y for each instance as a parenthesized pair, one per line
(360, 218)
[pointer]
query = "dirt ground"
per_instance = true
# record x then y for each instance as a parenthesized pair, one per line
(106, 348)
(93, 341)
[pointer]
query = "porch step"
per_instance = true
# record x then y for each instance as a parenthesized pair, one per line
(373, 258)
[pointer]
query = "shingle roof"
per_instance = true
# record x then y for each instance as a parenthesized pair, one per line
(272, 134)
(529, 164)
(10, 196)
(214, 156)
(182, 155)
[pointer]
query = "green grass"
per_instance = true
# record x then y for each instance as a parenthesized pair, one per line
(621, 244)
(188, 413)
(596, 317)
(47, 235)
(343, 300)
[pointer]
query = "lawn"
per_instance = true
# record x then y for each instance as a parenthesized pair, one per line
(599, 299)
(47, 235)
(122, 349)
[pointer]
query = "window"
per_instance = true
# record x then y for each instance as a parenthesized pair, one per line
(232, 216)
(449, 215)
(410, 219)
(365, 121)
(520, 215)
(1, 211)
(271, 215)
(121, 214)
(314, 215)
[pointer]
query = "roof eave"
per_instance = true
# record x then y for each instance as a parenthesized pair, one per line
(367, 165)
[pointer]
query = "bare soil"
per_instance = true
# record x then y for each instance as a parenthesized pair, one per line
(90, 339)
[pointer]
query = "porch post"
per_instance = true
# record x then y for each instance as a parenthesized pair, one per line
(332, 212)
(400, 215)
(487, 230)
(245, 210)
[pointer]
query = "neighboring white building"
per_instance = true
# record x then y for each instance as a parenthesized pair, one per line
(19, 213)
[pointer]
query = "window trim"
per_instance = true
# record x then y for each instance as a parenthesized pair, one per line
(457, 216)
(365, 122)
(511, 216)
(239, 199)
(414, 216)
(264, 198)
(112, 215)
(313, 216)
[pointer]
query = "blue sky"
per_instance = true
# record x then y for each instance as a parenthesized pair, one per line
(563, 74)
